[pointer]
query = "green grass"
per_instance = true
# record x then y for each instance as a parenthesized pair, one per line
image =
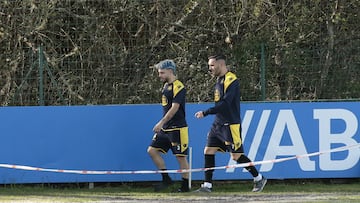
(347, 191)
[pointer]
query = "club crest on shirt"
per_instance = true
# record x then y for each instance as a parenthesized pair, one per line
(216, 95)
(164, 101)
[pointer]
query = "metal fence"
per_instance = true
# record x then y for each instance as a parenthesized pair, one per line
(99, 52)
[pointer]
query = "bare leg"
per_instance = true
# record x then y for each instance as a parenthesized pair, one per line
(185, 176)
(156, 157)
(183, 165)
(159, 162)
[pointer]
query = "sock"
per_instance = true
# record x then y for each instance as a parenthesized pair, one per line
(258, 178)
(165, 176)
(185, 183)
(209, 163)
(244, 159)
(207, 184)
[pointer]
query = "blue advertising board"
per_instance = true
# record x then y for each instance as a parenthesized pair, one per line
(116, 137)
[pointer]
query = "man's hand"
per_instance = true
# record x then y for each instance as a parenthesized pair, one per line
(199, 114)
(158, 127)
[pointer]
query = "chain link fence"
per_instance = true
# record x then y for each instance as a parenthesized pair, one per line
(101, 52)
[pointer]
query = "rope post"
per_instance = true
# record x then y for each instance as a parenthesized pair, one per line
(91, 185)
(190, 165)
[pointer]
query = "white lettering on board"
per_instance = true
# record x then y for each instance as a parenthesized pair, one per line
(326, 138)
(286, 119)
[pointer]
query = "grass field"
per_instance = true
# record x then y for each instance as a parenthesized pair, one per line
(224, 191)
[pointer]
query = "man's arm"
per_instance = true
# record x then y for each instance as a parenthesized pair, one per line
(224, 103)
(172, 111)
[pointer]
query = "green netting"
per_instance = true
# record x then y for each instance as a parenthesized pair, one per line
(78, 52)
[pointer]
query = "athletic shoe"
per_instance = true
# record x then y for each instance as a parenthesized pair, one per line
(259, 185)
(203, 189)
(163, 185)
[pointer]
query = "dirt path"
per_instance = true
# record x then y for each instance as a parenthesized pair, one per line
(254, 198)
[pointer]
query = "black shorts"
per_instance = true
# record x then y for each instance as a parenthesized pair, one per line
(226, 137)
(176, 139)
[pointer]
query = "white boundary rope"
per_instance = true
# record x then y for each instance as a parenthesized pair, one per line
(30, 168)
